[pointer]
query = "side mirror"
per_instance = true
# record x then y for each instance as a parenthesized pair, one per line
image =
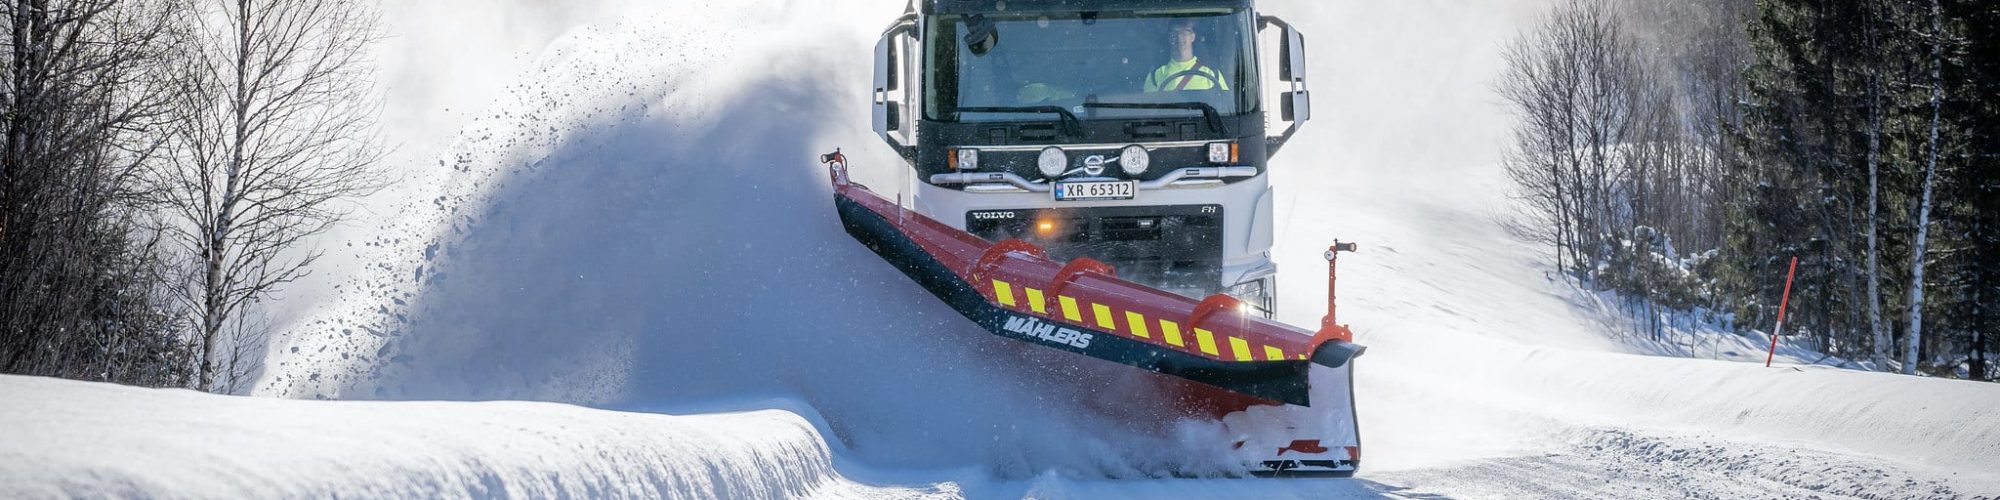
(1295, 106)
(889, 96)
(1293, 55)
(886, 69)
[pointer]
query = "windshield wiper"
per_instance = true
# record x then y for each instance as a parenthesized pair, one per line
(1071, 124)
(1208, 112)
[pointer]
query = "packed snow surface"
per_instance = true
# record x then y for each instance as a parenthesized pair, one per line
(98, 440)
(634, 222)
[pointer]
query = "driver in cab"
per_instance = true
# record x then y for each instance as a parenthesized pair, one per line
(1184, 72)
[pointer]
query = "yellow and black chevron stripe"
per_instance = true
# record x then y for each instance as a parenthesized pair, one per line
(1069, 310)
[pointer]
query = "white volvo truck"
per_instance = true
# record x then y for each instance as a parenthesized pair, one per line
(1131, 132)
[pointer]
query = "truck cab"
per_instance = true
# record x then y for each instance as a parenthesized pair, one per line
(1130, 132)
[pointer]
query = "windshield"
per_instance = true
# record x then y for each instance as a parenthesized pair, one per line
(998, 67)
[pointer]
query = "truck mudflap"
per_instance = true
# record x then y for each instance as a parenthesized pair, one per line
(1011, 289)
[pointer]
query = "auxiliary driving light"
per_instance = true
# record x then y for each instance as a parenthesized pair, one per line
(1134, 160)
(1053, 162)
(965, 159)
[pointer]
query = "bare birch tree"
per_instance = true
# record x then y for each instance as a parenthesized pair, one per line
(1878, 337)
(276, 126)
(1534, 84)
(1915, 339)
(1572, 82)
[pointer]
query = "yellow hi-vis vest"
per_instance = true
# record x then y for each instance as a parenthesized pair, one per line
(1158, 81)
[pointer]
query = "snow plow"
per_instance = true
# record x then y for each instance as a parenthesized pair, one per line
(1091, 179)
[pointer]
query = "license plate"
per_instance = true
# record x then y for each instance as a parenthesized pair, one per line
(1096, 190)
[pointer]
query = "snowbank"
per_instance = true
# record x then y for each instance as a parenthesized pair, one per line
(73, 439)
(1475, 352)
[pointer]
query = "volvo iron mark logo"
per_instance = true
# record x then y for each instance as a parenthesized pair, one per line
(1094, 164)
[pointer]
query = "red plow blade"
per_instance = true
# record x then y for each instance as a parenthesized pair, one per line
(1012, 289)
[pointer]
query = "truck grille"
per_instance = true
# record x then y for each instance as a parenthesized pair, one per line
(1176, 248)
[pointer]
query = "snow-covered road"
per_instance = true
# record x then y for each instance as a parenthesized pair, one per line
(635, 223)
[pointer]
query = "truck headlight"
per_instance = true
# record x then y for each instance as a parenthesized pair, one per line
(966, 159)
(1134, 159)
(1259, 296)
(1053, 162)
(1222, 152)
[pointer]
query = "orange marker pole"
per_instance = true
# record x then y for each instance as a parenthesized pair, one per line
(1328, 326)
(1782, 302)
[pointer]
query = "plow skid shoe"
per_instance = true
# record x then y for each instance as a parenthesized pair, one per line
(1292, 441)
(1283, 391)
